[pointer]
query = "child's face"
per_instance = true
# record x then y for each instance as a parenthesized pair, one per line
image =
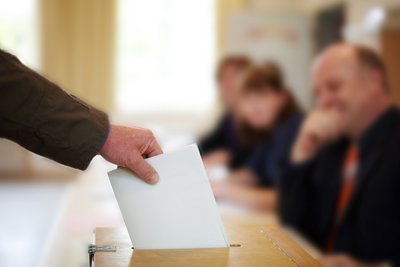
(261, 109)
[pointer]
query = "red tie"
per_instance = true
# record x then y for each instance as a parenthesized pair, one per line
(349, 179)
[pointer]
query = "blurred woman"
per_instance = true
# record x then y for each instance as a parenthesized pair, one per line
(223, 145)
(269, 119)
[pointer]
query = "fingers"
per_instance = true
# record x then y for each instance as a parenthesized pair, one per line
(154, 149)
(324, 124)
(319, 128)
(127, 147)
(143, 169)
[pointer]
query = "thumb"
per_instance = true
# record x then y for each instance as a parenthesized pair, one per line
(143, 169)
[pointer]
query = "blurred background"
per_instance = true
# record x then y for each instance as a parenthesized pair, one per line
(151, 63)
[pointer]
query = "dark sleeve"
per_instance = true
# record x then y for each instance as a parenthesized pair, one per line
(296, 197)
(257, 164)
(214, 140)
(40, 116)
(281, 146)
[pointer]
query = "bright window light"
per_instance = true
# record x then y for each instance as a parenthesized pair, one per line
(18, 30)
(166, 54)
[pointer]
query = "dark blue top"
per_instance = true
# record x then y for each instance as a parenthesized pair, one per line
(226, 136)
(270, 158)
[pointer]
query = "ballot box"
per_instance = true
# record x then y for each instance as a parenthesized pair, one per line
(257, 245)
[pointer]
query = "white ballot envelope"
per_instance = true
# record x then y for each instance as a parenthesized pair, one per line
(178, 212)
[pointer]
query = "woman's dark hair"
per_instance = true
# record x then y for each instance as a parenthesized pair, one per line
(261, 78)
(240, 62)
(268, 76)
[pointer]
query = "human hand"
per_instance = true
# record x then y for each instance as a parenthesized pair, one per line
(216, 158)
(343, 260)
(218, 188)
(223, 189)
(319, 128)
(127, 147)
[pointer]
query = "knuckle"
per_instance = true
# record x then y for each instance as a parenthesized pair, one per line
(147, 132)
(150, 134)
(134, 160)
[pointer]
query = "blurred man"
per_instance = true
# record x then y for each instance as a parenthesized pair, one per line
(41, 117)
(342, 189)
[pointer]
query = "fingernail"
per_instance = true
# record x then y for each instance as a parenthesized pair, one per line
(153, 179)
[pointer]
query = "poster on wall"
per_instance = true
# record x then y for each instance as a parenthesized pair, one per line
(283, 39)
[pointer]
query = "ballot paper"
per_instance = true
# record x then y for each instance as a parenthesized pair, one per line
(178, 212)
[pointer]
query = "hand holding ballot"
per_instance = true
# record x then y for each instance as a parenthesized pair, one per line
(179, 212)
(127, 147)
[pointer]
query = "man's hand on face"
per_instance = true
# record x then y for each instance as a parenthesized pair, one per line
(345, 261)
(319, 128)
(127, 147)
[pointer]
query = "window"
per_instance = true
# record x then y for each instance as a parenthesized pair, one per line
(18, 30)
(165, 58)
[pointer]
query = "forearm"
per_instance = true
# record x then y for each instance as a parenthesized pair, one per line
(296, 196)
(263, 199)
(216, 158)
(43, 118)
(244, 177)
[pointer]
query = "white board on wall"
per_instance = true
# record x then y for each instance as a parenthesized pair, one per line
(284, 39)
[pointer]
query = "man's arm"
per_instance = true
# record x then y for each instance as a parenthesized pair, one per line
(252, 197)
(296, 197)
(40, 116)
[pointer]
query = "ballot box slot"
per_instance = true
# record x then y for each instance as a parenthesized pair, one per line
(92, 249)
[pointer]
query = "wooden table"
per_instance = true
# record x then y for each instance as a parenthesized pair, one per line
(252, 244)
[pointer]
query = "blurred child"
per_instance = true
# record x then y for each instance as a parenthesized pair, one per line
(269, 118)
(223, 145)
